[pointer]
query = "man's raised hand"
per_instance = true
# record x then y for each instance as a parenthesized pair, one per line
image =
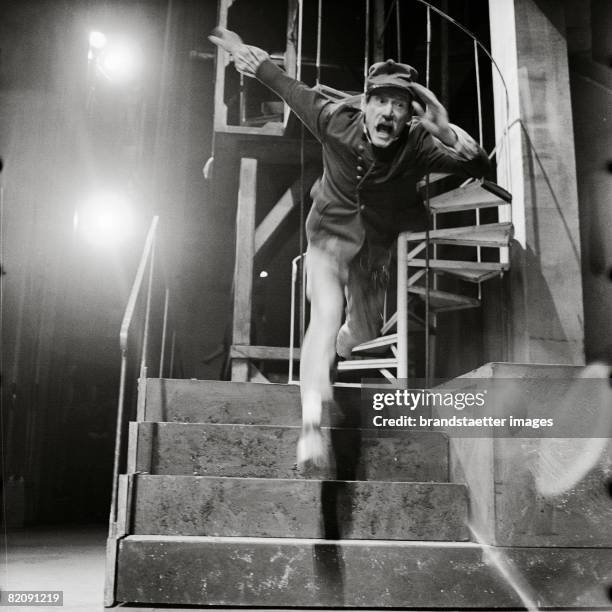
(434, 117)
(246, 57)
(226, 39)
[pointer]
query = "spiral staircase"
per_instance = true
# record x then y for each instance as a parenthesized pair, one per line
(418, 262)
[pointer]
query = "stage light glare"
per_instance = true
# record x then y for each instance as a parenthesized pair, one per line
(106, 220)
(97, 40)
(121, 63)
(263, 274)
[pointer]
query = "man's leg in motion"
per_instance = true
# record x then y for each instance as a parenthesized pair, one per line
(325, 282)
(364, 311)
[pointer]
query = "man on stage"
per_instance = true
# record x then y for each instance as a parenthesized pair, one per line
(372, 160)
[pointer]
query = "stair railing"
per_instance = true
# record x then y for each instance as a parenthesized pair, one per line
(146, 266)
(295, 262)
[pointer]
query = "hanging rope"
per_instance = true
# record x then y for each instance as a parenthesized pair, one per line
(398, 30)
(298, 70)
(302, 215)
(427, 237)
(319, 29)
(303, 260)
(366, 54)
(428, 45)
(478, 93)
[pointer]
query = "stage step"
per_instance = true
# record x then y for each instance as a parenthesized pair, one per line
(486, 235)
(434, 177)
(196, 505)
(212, 401)
(261, 451)
(269, 572)
(382, 342)
(473, 271)
(367, 364)
(415, 324)
(390, 323)
(443, 301)
(202, 526)
(473, 195)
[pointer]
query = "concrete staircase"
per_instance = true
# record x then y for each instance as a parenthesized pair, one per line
(213, 512)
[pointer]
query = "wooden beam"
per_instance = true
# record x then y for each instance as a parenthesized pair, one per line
(266, 148)
(256, 376)
(280, 211)
(291, 51)
(243, 271)
(265, 353)
(272, 128)
(379, 31)
(220, 118)
(275, 218)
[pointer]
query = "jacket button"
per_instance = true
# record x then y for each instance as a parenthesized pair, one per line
(359, 177)
(360, 147)
(359, 159)
(362, 207)
(359, 169)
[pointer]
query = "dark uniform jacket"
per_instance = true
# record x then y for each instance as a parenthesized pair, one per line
(367, 195)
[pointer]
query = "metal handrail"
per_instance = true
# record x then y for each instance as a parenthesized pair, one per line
(147, 257)
(294, 269)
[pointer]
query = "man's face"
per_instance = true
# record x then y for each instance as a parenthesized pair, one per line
(386, 113)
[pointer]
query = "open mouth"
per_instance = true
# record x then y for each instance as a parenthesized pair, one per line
(384, 129)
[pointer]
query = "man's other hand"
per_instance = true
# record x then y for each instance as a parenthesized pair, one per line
(246, 57)
(434, 117)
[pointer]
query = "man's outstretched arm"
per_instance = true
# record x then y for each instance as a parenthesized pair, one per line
(308, 104)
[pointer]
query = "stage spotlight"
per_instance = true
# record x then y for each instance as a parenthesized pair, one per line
(263, 274)
(105, 220)
(120, 63)
(97, 40)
